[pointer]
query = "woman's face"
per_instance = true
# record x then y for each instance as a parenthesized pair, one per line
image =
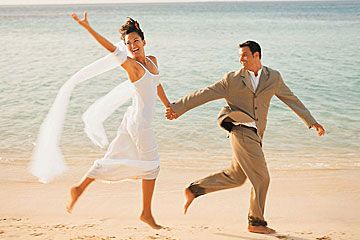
(135, 44)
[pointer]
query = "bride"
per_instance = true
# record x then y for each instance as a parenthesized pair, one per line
(134, 152)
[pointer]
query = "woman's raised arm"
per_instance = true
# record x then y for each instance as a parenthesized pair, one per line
(100, 39)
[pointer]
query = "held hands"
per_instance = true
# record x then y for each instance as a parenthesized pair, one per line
(170, 114)
(83, 22)
(320, 130)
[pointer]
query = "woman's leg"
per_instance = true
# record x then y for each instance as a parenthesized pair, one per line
(76, 191)
(146, 215)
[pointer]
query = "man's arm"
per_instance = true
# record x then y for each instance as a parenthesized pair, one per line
(213, 92)
(288, 97)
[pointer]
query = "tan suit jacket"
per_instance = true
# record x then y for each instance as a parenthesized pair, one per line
(245, 105)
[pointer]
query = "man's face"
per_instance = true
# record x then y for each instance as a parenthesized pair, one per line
(246, 58)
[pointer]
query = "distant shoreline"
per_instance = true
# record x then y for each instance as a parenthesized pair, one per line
(35, 3)
(171, 164)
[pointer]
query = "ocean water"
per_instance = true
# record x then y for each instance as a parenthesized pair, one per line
(315, 45)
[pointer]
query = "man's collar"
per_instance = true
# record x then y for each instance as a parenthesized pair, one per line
(252, 74)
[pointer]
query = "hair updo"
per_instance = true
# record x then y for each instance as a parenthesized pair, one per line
(130, 26)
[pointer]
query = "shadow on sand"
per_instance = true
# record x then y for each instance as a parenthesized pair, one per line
(275, 236)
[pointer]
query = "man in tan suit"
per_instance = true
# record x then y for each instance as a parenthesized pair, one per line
(248, 93)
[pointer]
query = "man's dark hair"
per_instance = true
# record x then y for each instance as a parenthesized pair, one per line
(254, 47)
(130, 26)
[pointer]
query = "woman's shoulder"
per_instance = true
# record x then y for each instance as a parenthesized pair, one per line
(153, 58)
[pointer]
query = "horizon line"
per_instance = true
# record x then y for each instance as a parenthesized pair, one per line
(36, 3)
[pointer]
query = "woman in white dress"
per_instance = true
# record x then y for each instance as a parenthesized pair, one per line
(133, 154)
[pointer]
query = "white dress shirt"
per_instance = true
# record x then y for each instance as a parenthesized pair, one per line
(254, 82)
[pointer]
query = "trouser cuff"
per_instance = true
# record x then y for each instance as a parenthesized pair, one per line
(196, 190)
(256, 221)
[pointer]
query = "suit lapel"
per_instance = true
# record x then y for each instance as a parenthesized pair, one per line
(245, 76)
(263, 80)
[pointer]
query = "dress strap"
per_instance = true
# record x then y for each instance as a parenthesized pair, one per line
(142, 65)
(152, 63)
(146, 68)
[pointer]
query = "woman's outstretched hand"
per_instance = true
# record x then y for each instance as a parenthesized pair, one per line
(83, 22)
(100, 39)
(170, 114)
(320, 129)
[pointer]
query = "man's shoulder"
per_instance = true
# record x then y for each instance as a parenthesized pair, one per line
(231, 75)
(271, 71)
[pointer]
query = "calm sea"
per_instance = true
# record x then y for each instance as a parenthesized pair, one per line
(315, 45)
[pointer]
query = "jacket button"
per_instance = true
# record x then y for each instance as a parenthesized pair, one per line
(255, 108)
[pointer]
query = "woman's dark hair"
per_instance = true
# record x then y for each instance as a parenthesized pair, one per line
(130, 26)
(254, 47)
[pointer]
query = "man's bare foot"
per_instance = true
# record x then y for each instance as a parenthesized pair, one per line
(149, 220)
(261, 229)
(75, 193)
(189, 198)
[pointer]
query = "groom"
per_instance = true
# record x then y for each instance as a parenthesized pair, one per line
(247, 92)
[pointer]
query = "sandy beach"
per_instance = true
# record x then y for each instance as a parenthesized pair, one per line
(302, 205)
(314, 191)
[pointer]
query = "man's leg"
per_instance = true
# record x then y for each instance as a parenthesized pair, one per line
(228, 178)
(248, 152)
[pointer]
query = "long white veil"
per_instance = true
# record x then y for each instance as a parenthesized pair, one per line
(47, 160)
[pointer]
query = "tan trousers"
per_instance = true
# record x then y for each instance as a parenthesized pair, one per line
(248, 162)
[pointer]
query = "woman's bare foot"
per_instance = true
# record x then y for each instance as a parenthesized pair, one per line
(75, 193)
(261, 229)
(189, 198)
(149, 220)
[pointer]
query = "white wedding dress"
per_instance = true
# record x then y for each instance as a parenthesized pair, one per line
(132, 154)
(134, 151)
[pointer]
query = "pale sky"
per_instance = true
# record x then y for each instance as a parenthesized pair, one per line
(31, 2)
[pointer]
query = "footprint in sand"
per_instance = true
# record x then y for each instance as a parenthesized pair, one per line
(88, 225)
(165, 228)
(93, 237)
(152, 237)
(130, 228)
(159, 237)
(36, 234)
(282, 237)
(59, 226)
(324, 238)
(11, 219)
(104, 219)
(201, 227)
